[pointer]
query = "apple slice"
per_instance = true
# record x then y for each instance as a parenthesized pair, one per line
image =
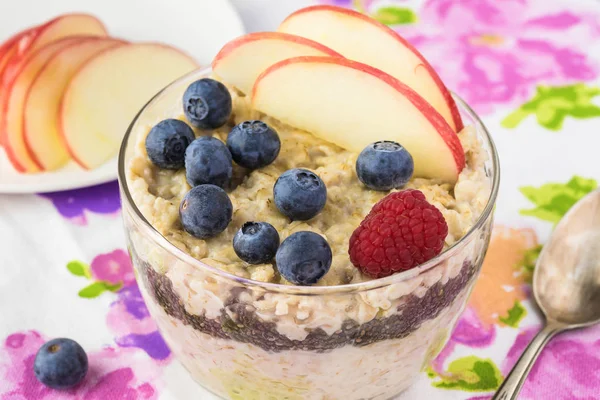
(7, 44)
(56, 29)
(11, 129)
(16, 44)
(242, 60)
(9, 50)
(106, 93)
(10, 47)
(30, 41)
(361, 38)
(68, 25)
(42, 103)
(353, 104)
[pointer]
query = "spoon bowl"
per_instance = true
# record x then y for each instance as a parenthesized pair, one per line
(566, 281)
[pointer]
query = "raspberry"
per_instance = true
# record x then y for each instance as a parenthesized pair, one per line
(402, 231)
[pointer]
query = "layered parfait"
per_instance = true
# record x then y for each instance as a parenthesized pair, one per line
(322, 212)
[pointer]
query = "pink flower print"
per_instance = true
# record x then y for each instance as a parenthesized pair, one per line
(129, 320)
(114, 267)
(122, 321)
(568, 369)
(470, 332)
(118, 381)
(114, 373)
(494, 52)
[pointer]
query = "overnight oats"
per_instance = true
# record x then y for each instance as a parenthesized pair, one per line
(306, 220)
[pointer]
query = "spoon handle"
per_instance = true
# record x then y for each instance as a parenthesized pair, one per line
(510, 388)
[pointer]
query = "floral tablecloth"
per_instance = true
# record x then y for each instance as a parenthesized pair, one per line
(529, 67)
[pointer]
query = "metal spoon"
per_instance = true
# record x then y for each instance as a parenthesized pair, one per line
(566, 284)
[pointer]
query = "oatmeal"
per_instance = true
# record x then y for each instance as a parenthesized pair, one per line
(158, 194)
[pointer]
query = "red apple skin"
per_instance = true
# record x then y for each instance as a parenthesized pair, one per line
(15, 48)
(234, 44)
(8, 52)
(13, 157)
(241, 60)
(19, 42)
(39, 41)
(45, 34)
(6, 45)
(10, 49)
(106, 43)
(32, 39)
(26, 44)
(436, 120)
(10, 44)
(23, 45)
(445, 92)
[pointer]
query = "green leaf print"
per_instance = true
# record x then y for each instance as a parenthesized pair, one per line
(78, 268)
(553, 200)
(528, 265)
(395, 15)
(97, 288)
(552, 104)
(515, 315)
(472, 374)
(113, 287)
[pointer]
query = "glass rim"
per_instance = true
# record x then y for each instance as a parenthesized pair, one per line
(160, 240)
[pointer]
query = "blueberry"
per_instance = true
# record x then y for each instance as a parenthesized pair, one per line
(207, 104)
(303, 258)
(256, 242)
(384, 166)
(299, 194)
(253, 144)
(207, 161)
(205, 211)
(60, 364)
(166, 143)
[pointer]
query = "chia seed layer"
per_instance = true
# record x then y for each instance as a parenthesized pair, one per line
(239, 321)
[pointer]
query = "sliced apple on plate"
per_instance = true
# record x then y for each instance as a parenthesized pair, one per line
(68, 25)
(11, 129)
(24, 44)
(56, 29)
(18, 44)
(108, 91)
(361, 38)
(13, 45)
(9, 50)
(242, 60)
(352, 104)
(42, 103)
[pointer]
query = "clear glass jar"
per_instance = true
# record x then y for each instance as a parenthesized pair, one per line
(245, 339)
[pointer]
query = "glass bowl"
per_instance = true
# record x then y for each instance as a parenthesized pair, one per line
(245, 339)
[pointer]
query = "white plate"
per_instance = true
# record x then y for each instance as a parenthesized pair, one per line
(198, 27)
